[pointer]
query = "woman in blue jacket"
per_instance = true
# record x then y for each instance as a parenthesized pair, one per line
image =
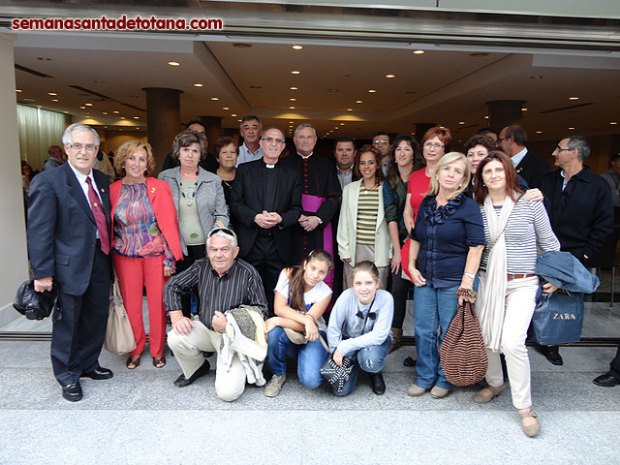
(447, 243)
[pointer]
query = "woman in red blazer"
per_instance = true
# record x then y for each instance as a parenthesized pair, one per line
(145, 244)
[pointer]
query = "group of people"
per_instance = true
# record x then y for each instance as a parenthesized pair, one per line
(247, 259)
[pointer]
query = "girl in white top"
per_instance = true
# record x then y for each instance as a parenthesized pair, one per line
(298, 329)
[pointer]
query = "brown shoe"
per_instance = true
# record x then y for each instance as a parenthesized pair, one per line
(530, 428)
(159, 362)
(133, 362)
(486, 395)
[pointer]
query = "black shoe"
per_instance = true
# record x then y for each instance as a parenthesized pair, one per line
(606, 380)
(552, 353)
(377, 383)
(182, 381)
(409, 362)
(98, 373)
(72, 392)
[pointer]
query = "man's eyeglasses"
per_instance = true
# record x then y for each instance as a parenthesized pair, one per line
(560, 149)
(380, 142)
(79, 147)
(273, 140)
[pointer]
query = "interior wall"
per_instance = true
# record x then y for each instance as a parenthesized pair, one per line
(14, 267)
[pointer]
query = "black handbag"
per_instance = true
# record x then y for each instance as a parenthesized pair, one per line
(34, 305)
(337, 376)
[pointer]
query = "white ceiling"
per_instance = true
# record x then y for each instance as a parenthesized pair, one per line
(447, 87)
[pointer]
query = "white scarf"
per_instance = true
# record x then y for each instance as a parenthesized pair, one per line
(492, 292)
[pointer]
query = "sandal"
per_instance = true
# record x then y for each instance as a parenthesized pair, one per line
(530, 428)
(133, 363)
(159, 362)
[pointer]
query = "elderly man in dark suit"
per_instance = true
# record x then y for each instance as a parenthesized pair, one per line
(266, 201)
(512, 141)
(68, 247)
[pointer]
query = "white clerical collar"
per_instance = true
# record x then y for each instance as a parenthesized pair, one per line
(305, 157)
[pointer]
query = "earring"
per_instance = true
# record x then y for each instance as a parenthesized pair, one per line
(437, 178)
(484, 185)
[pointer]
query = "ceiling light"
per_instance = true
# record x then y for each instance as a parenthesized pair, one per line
(136, 117)
(54, 100)
(297, 47)
(359, 101)
(233, 115)
(225, 108)
(524, 109)
(295, 72)
(174, 63)
(613, 122)
(292, 100)
(291, 108)
(116, 112)
(294, 88)
(486, 117)
(349, 109)
(82, 107)
(53, 94)
(372, 91)
(214, 99)
(18, 90)
(461, 122)
(571, 129)
(104, 112)
(341, 124)
(88, 104)
(573, 98)
(538, 132)
(198, 84)
(418, 52)
(390, 76)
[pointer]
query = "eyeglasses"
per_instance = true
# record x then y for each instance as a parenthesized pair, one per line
(79, 147)
(273, 140)
(560, 149)
(433, 145)
(380, 142)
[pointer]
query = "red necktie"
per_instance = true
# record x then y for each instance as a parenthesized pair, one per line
(100, 219)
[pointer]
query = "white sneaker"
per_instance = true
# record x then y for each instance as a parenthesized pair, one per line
(274, 386)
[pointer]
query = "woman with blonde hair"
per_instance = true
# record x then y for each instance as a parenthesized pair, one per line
(446, 246)
(145, 244)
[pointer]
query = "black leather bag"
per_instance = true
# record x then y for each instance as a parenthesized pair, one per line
(337, 376)
(34, 305)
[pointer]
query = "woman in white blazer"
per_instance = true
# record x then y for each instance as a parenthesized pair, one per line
(362, 229)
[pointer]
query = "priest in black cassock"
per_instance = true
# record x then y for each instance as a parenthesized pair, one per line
(266, 203)
(320, 198)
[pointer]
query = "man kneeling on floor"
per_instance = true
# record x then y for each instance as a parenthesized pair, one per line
(231, 319)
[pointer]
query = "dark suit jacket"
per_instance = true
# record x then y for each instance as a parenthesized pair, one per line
(247, 202)
(581, 216)
(62, 232)
(533, 170)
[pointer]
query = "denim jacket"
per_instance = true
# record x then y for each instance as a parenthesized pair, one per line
(562, 269)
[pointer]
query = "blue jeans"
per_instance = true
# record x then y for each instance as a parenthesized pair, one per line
(369, 359)
(434, 310)
(310, 357)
